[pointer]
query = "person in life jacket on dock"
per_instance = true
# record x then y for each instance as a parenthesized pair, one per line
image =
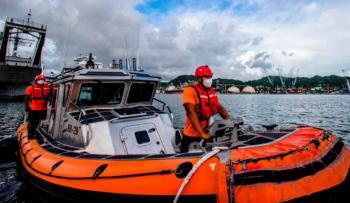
(201, 104)
(35, 99)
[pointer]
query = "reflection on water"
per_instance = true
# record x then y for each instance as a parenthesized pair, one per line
(326, 111)
(11, 115)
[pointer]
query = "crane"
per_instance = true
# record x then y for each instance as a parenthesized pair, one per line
(281, 78)
(346, 79)
(296, 78)
(268, 77)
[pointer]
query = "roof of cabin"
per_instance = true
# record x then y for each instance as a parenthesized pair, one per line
(105, 74)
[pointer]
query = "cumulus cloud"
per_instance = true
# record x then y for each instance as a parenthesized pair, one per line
(286, 53)
(238, 40)
(255, 63)
(80, 27)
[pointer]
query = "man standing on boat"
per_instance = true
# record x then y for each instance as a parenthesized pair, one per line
(35, 100)
(201, 104)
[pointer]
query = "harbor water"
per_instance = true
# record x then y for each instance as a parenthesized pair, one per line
(331, 112)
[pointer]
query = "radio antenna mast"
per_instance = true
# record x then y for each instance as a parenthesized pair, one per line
(126, 53)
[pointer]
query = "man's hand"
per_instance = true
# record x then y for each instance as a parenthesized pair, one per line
(205, 135)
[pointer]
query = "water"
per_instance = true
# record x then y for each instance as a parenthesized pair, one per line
(331, 112)
(327, 111)
(11, 115)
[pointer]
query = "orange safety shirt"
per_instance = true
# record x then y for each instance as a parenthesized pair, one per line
(190, 96)
(38, 95)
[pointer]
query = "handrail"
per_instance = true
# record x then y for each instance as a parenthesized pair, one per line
(25, 22)
(81, 110)
(165, 105)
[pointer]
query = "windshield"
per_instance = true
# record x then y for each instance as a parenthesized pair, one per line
(140, 92)
(100, 94)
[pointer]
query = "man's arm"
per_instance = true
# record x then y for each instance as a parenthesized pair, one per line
(27, 94)
(222, 112)
(192, 115)
(26, 103)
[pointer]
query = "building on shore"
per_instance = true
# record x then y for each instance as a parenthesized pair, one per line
(248, 90)
(233, 90)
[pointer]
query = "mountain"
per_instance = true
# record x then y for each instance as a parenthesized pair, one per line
(315, 81)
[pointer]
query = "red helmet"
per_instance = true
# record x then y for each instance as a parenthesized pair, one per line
(40, 77)
(203, 71)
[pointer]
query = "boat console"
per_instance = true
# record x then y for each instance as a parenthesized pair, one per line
(233, 133)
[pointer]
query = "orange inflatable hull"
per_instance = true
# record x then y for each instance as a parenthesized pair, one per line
(308, 163)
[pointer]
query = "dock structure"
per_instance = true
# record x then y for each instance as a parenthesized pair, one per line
(16, 27)
(18, 70)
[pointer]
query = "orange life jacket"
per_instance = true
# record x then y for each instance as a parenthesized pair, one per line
(39, 97)
(208, 102)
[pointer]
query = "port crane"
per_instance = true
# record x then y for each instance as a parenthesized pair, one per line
(296, 78)
(268, 77)
(346, 78)
(282, 80)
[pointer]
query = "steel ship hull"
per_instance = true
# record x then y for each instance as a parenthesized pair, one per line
(15, 79)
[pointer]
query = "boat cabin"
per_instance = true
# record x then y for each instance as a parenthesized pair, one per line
(108, 111)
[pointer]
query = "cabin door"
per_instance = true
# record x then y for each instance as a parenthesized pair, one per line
(142, 139)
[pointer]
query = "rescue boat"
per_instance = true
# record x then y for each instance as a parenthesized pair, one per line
(108, 139)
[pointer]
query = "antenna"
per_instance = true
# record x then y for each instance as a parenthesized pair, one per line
(66, 44)
(126, 53)
(138, 47)
(42, 68)
(29, 15)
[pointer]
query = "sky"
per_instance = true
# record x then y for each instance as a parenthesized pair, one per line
(240, 39)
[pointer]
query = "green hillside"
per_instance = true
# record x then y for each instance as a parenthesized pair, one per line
(315, 81)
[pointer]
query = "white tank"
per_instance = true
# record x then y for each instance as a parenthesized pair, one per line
(233, 90)
(248, 90)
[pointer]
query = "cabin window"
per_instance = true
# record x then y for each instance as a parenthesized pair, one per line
(140, 92)
(142, 137)
(100, 94)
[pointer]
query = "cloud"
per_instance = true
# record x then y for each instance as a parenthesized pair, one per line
(237, 39)
(286, 53)
(80, 27)
(312, 7)
(255, 63)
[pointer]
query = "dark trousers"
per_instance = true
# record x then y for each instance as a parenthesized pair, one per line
(186, 141)
(34, 118)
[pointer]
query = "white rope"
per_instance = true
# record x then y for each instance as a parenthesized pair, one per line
(193, 170)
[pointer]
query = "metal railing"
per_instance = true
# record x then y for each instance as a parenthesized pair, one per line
(81, 111)
(88, 130)
(25, 22)
(165, 106)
